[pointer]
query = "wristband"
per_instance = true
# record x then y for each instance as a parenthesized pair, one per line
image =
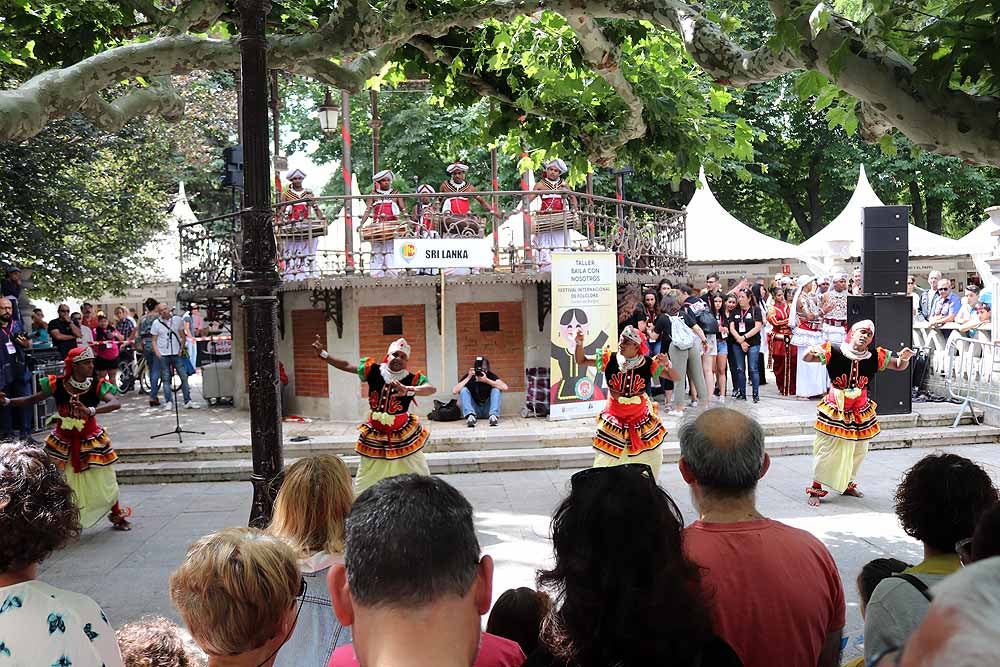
(6, 401)
(410, 392)
(324, 355)
(93, 411)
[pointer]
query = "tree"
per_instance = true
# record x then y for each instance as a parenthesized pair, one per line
(605, 79)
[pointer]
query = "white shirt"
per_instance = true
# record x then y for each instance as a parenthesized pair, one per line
(44, 625)
(167, 335)
(86, 335)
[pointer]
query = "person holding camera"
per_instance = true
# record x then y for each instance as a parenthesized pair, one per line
(15, 377)
(479, 392)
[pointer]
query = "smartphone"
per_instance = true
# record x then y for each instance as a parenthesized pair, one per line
(479, 367)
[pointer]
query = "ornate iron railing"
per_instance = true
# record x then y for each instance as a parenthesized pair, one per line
(355, 235)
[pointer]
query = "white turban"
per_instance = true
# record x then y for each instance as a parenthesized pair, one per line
(399, 345)
(298, 173)
(425, 189)
(840, 276)
(385, 173)
(802, 281)
(558, 164)
(456, 166)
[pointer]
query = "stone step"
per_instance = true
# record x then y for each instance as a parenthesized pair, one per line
(500, 459)
(451, 438)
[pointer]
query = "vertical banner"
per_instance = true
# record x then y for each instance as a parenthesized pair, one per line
(584, 298)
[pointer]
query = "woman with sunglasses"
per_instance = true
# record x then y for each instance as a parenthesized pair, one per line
(628, 429)
(309, 514)
(626, 594)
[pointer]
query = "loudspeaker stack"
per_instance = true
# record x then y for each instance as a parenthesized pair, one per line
(884, 265)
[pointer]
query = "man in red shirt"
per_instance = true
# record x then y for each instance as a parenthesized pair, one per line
(777, 596)
(413, 585)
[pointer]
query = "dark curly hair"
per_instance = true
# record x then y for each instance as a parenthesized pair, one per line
(625, 592)
(154, 641)
(941, 498)
(37, 512)
(986, 540)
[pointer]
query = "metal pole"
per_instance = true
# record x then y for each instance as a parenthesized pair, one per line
(259, 280)
(526, 216)
(495, 184)
(376, 125)
(443, 346)
(276, 126)
(347, 171)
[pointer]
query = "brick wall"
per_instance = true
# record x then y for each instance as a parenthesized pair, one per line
(375, 345)
(311, 374)
(504, 348)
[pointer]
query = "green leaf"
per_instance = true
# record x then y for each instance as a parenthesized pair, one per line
(719, 98)
(826, 97)
(888, 145)
(809, 84)
(819, 19)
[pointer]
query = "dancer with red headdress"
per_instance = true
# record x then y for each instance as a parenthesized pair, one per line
(392, 439)
(80, 447)
(628, 429)
(846, 418)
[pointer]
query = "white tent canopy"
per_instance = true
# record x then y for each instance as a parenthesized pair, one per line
(847, 229)
(714, 235)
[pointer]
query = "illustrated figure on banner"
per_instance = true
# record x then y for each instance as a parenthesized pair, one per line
(575, 382)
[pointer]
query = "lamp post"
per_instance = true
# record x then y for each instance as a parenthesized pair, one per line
(259, 278)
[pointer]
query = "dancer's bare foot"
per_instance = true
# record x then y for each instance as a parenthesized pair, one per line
(813, 501)
(815, 493)
(853, 490)
(118, 520)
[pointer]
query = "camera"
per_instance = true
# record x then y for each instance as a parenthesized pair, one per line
(479, 367)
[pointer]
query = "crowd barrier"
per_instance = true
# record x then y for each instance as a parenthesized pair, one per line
(972, 373)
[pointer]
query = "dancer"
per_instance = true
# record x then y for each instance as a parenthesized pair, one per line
(846, 417)
(391, 439)
(835, 310)
(554, 238)
(806, 321)
(298, 231)
(628, 429)
(783, 353)
(78, 441)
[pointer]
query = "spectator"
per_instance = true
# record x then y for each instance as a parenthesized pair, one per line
(10, 287)
(627, 593)
(236, 592)
(946, 305)
(40, 339)
(687, 341)
(928, 300)
(662, 289)
(414, 585)
(961, 626)
(309, 514)
(86, 333)
(64, 331)
(106, 340)
(125, 325)
(631, 311)
(168, 333)
(194, 326)
(915, 293)
(986, 539)
(938, 502)
(721, 359)
(745, 324)
(15, 376)
(856, 287)
(89, 317)
(711, 284)
(517, 615)
(158, 642)
(783, 602)
(147, 342)
(480, 392)
(41, 624)
(698, 309)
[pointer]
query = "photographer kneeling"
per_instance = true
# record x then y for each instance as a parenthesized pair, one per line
(479, 392)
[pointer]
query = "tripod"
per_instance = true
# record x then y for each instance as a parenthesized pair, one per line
(173, 390)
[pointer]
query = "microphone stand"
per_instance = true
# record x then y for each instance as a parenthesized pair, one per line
(173, 390)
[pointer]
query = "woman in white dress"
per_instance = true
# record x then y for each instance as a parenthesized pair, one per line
(807, 324)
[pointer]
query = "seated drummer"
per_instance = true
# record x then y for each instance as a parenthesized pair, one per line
(458, 206)
(425, 213)
(384, 210)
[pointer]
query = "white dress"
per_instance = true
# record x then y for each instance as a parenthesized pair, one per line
(810, 379)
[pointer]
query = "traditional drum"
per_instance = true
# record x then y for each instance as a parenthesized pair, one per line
(555, 222)
(468, 226)
(300, 229)
(384, 231)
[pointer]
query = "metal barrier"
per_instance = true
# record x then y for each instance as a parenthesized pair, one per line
(972, 374)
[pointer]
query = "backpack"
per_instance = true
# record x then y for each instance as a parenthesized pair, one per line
(681, 335)
(445, 412)
(704, 318)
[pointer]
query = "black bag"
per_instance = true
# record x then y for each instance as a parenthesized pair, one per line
(445, 412)
(920, 364)
(704, 318)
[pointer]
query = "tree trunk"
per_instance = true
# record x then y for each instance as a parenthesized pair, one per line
(935, 212)
(799, 215)
(812, 191)
(918, 204)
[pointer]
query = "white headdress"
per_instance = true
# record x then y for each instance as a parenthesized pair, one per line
(425, 189)
(800, 283)
(399, 345)
(297, 173)
(385, 173)
(456, 166)
(557, 163)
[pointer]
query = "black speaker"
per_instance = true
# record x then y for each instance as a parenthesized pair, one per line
(893, 318)
(885, 249)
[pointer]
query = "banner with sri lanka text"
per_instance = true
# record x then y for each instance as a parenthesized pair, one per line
(584, 298)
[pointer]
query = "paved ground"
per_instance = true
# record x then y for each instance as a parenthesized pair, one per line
(127, 572)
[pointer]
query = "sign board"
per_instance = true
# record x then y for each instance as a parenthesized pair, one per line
(584, 298)
(442, 253)
(786, 269)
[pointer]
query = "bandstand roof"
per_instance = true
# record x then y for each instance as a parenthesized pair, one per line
(715, 235)
(847, 227)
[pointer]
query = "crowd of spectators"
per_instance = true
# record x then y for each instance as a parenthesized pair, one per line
(397, 576)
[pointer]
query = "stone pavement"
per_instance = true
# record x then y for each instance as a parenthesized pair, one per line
(127, 573)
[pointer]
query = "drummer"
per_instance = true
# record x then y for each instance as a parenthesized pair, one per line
(425, 214)
(456, 219)
(557, 236)
(298, 253)
(384, 211)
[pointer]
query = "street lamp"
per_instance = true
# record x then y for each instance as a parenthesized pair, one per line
(328, 114)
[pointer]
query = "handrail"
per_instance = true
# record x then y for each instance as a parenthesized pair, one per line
(967, 381)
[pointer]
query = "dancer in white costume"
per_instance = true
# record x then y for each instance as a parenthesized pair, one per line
(835, 310)
(806, 321)
(552, 202)
(384, 213)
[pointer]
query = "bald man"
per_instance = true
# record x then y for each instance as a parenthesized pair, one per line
(797, 615)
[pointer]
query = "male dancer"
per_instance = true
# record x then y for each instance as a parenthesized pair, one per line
(391, 439)
(77, 440)
(387, 208)
(846, 419)
(835, 310)
(299, 252)
(557, 239)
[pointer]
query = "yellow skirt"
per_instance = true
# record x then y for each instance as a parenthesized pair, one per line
(836, 460)
(373, 471)
(651, 457)
(95, 491)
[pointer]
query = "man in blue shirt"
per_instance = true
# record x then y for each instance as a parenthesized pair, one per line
(947, 305)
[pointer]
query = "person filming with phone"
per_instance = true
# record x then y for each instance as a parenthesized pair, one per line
(479, 392)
